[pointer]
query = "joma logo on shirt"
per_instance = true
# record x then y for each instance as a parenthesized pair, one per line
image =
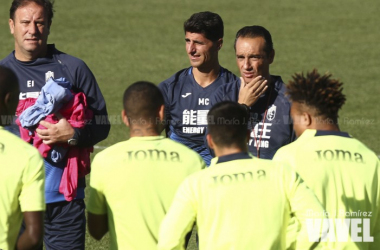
(227, 179)
(153, 155)
(339, 155)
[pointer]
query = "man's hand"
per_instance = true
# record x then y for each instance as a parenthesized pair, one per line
(250, 92)
(56, 133)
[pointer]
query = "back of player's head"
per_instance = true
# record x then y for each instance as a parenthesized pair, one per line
(9, 92)
(207, 23)
(253, 32)
(227, 124)
(142, 100)
(47, 4)
(318, 92)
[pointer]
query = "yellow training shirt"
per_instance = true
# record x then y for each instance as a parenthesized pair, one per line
(345, 176)
(134, 183)
(239, 202)
(22, 180)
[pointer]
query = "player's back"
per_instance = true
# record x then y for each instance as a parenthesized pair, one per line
(246, 204)
(138, 179)
(345, 176)
(21, 185)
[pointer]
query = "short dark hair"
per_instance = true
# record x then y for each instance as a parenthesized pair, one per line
(142, 100)
(47, 4)
(207, 23)
(227, 124)
(319, 92)
(256, 31)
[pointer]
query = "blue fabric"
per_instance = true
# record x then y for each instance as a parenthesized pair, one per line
(233, 157)
(58, 64)
(187, 103)
(336, 133)
(201, 149)
(59, 234)
(54, 94)
(58, 153)
(186, 107)
(54, 171)
(267, 133)
(65, 225)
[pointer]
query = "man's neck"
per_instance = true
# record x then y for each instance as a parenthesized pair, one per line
(141, 131)
(204, 77)
(28, 57)
(228, 151)
(325, 124)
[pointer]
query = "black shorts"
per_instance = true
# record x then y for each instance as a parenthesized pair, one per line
(65, 225)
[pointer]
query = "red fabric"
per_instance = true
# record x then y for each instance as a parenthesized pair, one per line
(78, 159)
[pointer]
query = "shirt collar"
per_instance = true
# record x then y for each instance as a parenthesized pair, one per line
(329, 132)
(232, 157)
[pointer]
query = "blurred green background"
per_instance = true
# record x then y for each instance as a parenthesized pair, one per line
(126, 41)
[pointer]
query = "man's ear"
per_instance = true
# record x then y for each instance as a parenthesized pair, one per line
(49, 25)
(161, 112)
(124, 117)
(248, 135)
(210, 142)
(220, 43)
(306, 119)
(271, 56)
(11, 26)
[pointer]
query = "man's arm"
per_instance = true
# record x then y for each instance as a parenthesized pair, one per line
(60, 132)
(95, 130)
(179, 220)
(308, 211)
(97, 225)
(31, 238)
(32, 201)
(97, 220)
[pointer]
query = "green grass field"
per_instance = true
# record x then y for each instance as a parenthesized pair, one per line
(126, 41)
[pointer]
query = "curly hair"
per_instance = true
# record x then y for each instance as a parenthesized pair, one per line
(319, 92)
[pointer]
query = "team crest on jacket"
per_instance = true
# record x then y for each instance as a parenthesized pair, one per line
(48, 75)
(271, 113)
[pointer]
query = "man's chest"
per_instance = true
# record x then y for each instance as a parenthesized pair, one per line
(32, 79)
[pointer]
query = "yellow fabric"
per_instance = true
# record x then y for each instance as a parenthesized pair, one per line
(345, 176)
(22, 180)
(134, 182)
(239, 204)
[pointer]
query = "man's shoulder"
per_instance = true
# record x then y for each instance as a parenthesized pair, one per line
(227, 91)
(188, 155)
(66, 59)
(228, 75)
(8, 59)
(14, 145)
(136, 145)
(279, 85)
(291, 148)
(178, 77)
(280, 88)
